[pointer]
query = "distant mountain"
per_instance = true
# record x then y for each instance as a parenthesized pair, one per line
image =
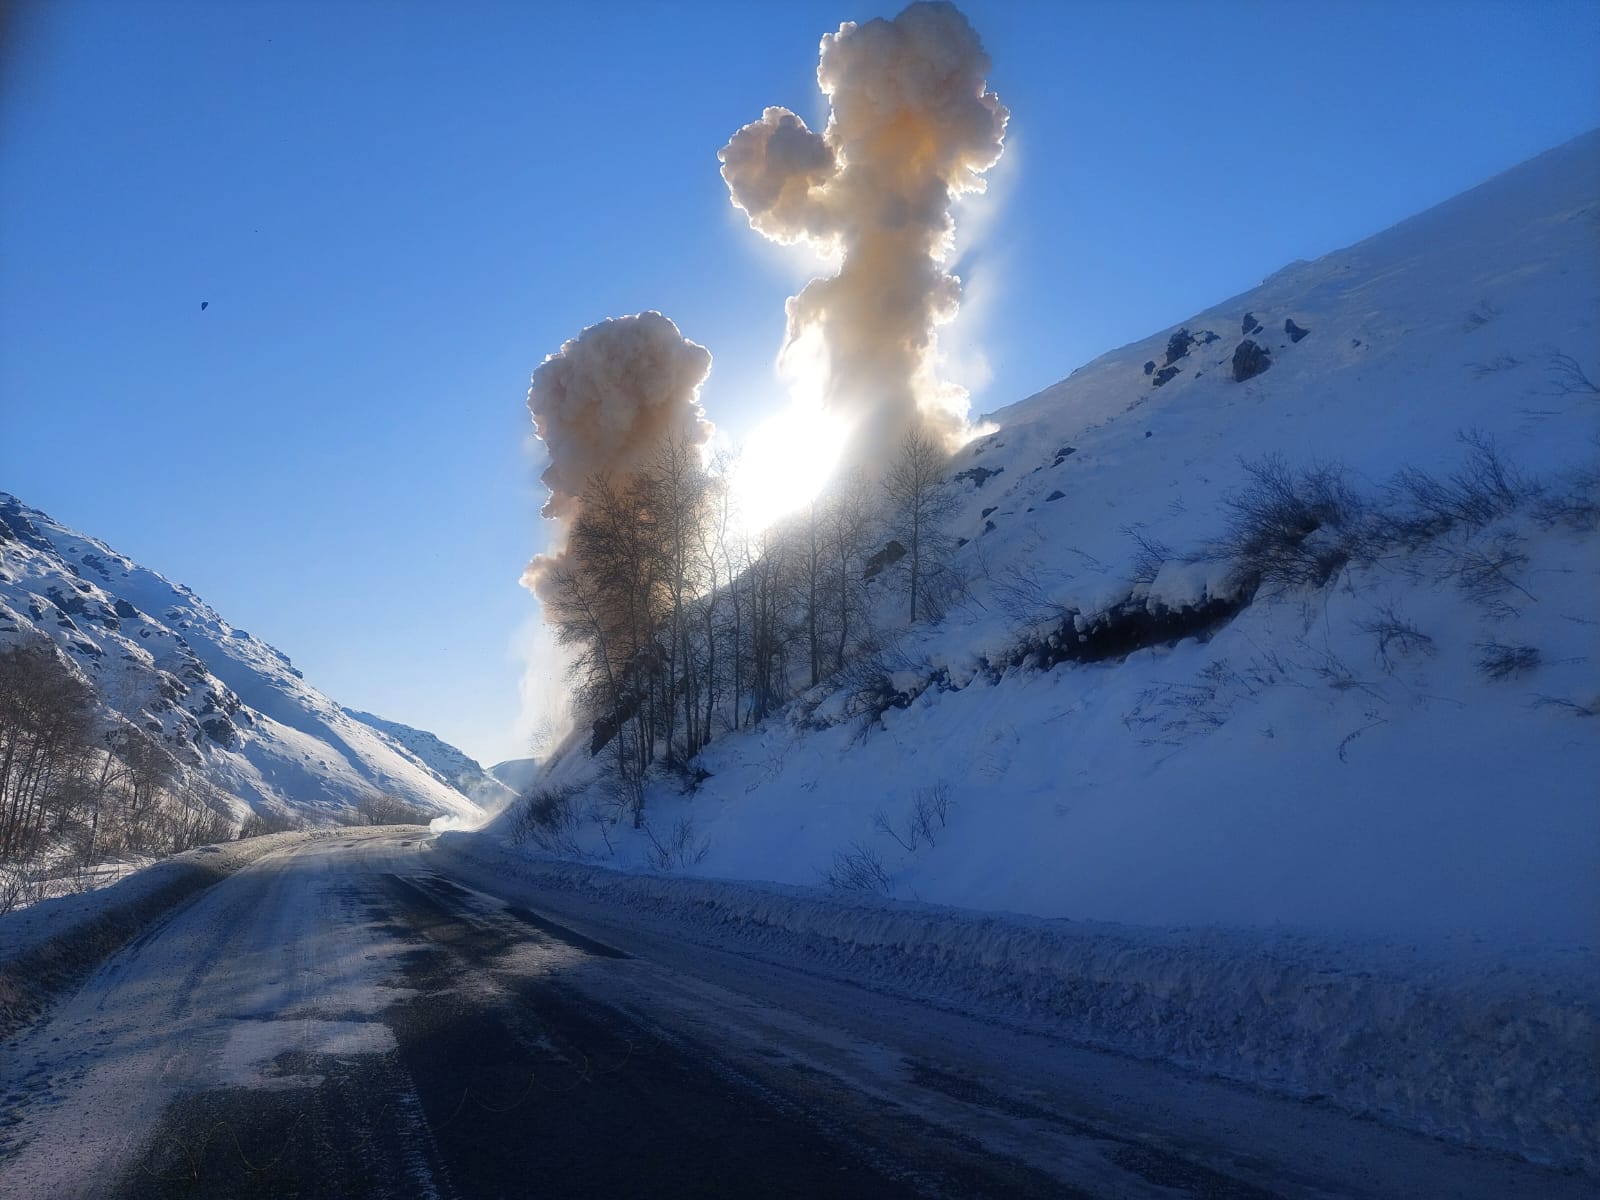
(225, 703)
(455, 767)
(516, 773)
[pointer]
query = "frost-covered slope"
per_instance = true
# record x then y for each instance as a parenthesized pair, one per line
(454, 766)
(516, 773)
(223, 701)
(1346, 757)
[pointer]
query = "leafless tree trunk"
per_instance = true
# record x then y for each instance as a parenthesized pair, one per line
(919, 506)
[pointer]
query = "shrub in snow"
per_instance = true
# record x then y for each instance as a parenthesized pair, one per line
(858, 869)
(682, 847)
(547, 817)
(1500, 660)
(378, 808)
(1290, 529)
(1481, 490)
(1396, 637)
(930, 809)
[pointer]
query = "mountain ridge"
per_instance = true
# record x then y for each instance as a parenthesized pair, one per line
(226, 704)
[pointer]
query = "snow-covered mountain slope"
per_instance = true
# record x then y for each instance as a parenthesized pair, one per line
(1119, 721)
(223, 702)
(454, 766)
(516, 773)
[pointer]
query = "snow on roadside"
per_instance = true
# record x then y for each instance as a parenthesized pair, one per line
(49, 946)
(1491, 1052)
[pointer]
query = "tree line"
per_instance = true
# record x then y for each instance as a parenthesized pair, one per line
(683, 626)
(67, 781)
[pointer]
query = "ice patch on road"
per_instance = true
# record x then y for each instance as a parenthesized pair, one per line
(249, 1058)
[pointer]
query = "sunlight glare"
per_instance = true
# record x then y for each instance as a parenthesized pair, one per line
(785, 462)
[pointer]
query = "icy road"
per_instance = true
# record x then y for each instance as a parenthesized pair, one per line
(348, 1018)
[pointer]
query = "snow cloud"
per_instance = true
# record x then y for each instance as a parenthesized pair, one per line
(604, 402)
(912, 127)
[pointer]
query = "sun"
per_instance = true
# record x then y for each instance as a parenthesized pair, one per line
(785, 462)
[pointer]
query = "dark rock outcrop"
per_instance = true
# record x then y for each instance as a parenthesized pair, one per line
(887, 557)
(1165, 375)
(978, 475)
(1249, 360)
(1294, 331)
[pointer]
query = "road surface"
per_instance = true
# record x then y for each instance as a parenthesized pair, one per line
(349, 1018)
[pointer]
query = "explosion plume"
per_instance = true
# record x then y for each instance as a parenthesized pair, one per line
(604, 403)
(912, 127)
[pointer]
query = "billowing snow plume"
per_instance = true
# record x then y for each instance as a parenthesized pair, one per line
(912, 127)
(605, 402)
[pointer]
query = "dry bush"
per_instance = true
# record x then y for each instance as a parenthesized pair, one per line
(1292, 529)
(682, 847)
(930, 809)
(549, 818)
(859, 869)
(1573, 503)
(380, 808)
(259, 824)
(1397, 637)
(1568, 378)
(1503, 660)
(1483, 489)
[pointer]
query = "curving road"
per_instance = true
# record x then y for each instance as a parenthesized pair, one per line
(348, 1018)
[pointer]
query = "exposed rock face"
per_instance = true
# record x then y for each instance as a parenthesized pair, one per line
(1178, 345)
(1294, 331)
(978, 475)
(887, 557)
(1249, 360)
(1250, 325)
(1165, 375)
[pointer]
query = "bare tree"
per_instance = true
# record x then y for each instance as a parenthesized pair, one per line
(46, 739)
(847, 523)
(919, 506)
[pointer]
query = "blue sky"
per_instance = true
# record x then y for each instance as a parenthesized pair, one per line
(395, 211)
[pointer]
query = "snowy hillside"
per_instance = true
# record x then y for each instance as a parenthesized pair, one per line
(516, 773)
(1285, 617)
(454, 766)
(223, 701)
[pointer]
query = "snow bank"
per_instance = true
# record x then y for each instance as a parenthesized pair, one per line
(1496, 1054)
(51, 946)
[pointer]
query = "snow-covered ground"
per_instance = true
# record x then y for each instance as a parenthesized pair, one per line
(224, 702)
(1344, 757)
(56, 939)
(1342, 840)
(1497, 1055)
(384, 1014)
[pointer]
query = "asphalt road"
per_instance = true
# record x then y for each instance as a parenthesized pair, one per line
(348, 1019)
